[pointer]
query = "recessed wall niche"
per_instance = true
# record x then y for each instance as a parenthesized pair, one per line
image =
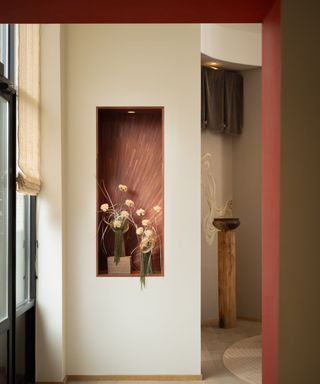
(130, 152)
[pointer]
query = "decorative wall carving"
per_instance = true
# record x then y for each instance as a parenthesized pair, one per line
(212, 210)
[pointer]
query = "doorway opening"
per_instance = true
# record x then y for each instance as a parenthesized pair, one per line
(231, 187)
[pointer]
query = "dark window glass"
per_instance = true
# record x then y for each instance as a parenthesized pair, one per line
(22, 250)
(3, 358)
(3, 208)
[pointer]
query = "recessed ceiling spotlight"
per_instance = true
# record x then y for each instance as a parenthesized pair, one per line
(214, 65)
(131, 112)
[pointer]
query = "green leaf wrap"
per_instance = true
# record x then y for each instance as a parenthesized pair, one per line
(118, 245)
(145, 267)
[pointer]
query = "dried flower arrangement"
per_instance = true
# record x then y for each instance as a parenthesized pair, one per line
(119, 217)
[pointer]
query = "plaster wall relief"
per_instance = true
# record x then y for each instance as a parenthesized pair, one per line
(209, 190)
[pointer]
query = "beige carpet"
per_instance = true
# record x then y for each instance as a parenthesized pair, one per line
(243, 359)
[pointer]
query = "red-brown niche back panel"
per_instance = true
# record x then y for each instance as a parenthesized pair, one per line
(130, 152)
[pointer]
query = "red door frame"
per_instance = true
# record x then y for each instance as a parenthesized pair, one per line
(271, 126)
(209, 11)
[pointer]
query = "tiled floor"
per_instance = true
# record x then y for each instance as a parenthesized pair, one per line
(214, 342)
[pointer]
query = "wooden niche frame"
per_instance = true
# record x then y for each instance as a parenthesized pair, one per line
(130, 151)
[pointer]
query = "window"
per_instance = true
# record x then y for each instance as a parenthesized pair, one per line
(4, 40)
(17, 233)
(23, 294)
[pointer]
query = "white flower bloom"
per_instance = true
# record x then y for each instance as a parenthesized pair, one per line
(144, 242)
(140, 212)
(104, 207)
(148, 233)
(129, 203)
(147, 244)
(124, 214)
(139, 231)
(117, 224)
(157, 208)
(122, 188)
(145, 222)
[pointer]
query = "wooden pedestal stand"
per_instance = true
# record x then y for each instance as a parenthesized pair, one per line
(227, 278)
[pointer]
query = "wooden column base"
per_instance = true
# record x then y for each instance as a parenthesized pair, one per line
(227, 278)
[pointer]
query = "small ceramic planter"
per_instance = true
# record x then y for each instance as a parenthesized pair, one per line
(123, 267)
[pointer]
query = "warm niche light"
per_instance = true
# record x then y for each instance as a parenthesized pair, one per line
(129, 150)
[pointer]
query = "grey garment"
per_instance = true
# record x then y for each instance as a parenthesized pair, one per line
(233, 96)
(221, 101)
(212, 99)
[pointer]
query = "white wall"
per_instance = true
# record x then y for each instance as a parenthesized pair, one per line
(247, 181)
(235, 43)
(49, 321)
(113, 327)
(220, 168)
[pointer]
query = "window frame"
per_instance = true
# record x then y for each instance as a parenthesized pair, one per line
(8, 325)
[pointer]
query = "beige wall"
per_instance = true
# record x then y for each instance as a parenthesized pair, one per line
(233, 160)
(246, 183)
(219, 147)
(96, 72)
(235, 43)
(299, 308)
(93, 325)
(236, 168)
(114, 65)
(49, 320)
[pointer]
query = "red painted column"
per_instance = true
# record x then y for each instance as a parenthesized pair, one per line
(271, 126)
